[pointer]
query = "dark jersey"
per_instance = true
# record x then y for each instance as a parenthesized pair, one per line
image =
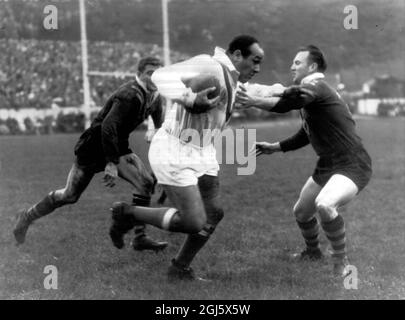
(327, 122)
(108, 136)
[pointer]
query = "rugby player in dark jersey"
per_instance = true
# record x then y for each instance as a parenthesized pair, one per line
(105, 147)
(344, 166)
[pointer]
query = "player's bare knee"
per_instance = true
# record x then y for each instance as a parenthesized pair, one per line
(69, 198)
(300, 213)
(296, 209)
(325, 209)
(195, 225)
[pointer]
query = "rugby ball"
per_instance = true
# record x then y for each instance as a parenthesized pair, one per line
(204, 81)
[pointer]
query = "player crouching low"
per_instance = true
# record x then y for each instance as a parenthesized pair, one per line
(105, 147)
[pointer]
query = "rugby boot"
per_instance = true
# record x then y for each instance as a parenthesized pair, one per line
(341, 267)
(180, 273)
(144, 242)
(21, 227)
(121, 224)
(309, 255)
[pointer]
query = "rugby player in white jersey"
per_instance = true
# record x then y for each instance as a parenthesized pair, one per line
(184, 165)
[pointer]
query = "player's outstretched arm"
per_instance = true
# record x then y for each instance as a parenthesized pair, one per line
(260, 148)
(246, 99)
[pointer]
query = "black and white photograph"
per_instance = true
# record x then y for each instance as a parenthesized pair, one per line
(202, 155)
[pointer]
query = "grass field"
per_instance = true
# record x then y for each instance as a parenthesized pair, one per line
(247, 257)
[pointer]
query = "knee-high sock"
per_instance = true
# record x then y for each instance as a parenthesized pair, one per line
(192, 245)
(194, 242)
(143, 201)
(310, 232)
(163, 218)
(336, 234)
(42, 208)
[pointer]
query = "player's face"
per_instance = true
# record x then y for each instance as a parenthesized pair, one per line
(249, 66)
(146, 75)
(301, 66)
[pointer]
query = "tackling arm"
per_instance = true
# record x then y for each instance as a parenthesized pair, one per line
(260, 96)
(297, 141)
(113, 125)
(294, 98)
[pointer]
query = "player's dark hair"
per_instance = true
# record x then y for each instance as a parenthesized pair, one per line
(242, 43)
(148, 61)
(316, 56)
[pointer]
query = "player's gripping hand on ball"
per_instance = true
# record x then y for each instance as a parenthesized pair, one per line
(203, 103)
(264, 148)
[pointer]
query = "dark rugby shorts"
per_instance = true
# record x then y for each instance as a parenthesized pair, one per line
(356, 165)
(89, 152)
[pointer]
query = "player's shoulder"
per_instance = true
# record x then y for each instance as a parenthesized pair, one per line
(202, 57)
(313, 83)
(316, 86)
(206, 61)
(129, 91)
(323, 87)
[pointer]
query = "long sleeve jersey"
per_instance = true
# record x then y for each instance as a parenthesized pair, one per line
(170, 82)
(124, 110)
(327, 122)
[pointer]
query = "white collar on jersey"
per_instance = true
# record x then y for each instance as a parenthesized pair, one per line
(141, 83)
(221, 56)
(312, 77)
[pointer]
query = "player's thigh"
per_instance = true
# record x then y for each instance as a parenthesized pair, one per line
(338, 191)
(134, 171)
(305, 205)
(188, 201)
(77, 181)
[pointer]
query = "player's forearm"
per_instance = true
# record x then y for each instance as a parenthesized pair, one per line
(266, 104)
(294, 98)
(297, 141)
(170, 86)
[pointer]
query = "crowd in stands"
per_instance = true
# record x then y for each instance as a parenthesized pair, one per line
(34, 73)
(37, 74)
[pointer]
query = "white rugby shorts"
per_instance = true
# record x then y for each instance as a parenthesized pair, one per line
(178, 163)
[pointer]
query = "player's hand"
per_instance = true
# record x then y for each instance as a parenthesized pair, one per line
(202, 103)
(110, 174)
(243, 99)
(277, 90)
(264, 148)
(149, 135)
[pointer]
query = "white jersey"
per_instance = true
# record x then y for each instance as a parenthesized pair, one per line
(169, 81)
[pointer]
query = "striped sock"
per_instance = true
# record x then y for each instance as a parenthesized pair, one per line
(310, 232)
(143, 201)
(42, 208)
(335, 232)
(192, 245)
